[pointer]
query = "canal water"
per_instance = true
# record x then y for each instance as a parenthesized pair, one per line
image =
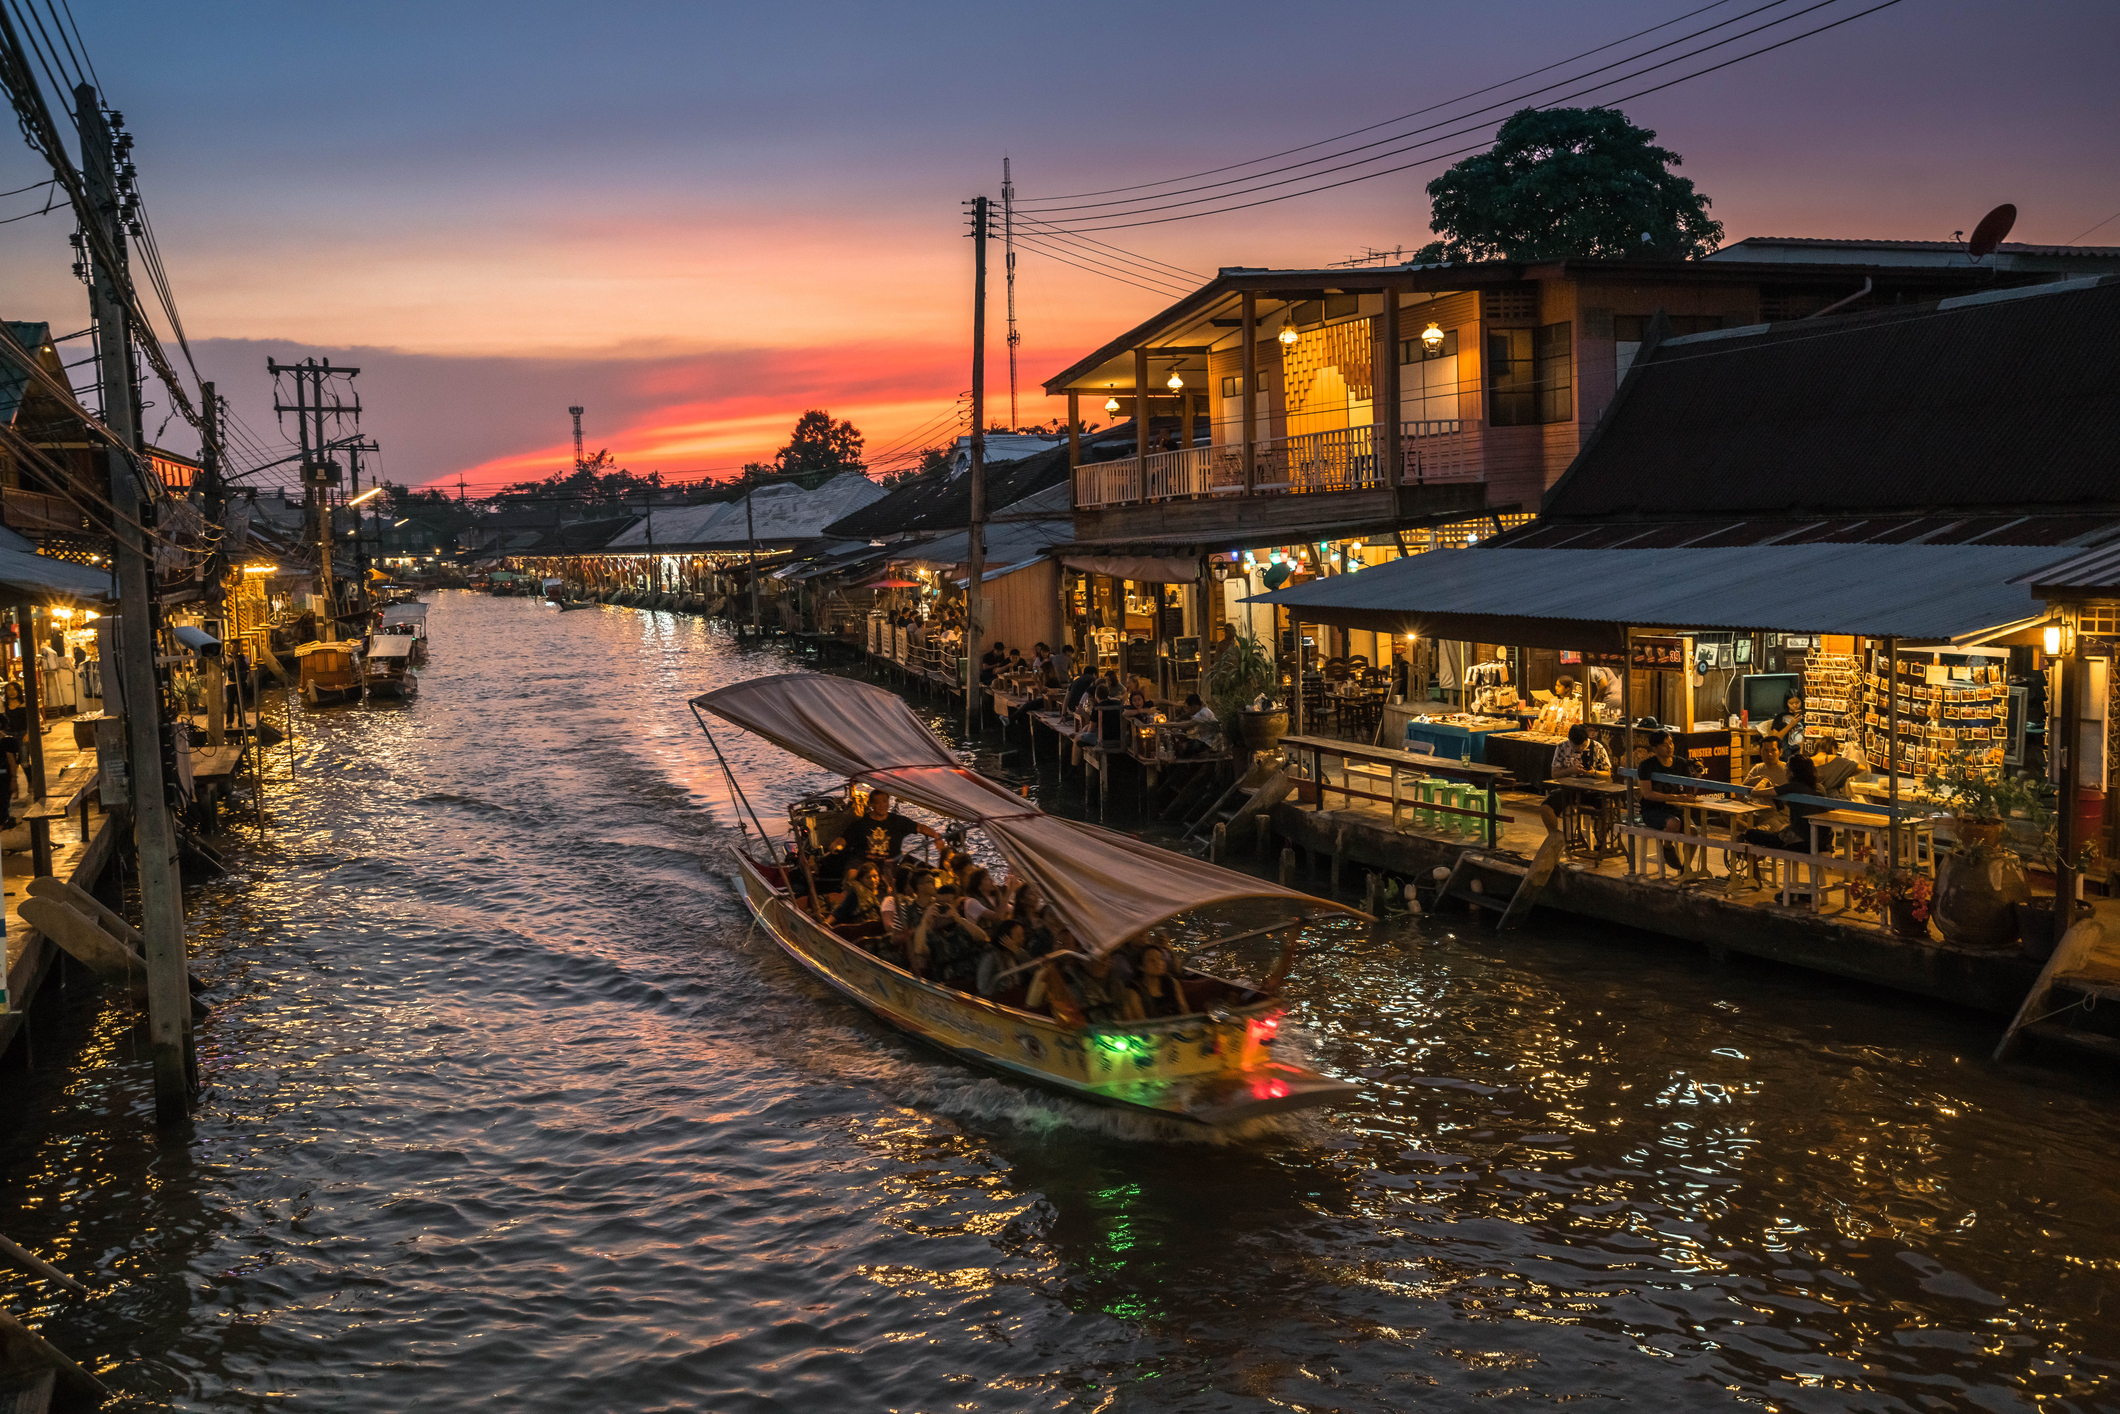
(506, 1106)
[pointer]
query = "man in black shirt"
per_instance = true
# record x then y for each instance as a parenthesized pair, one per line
(991, 663)
(1083, 684)
(1660, 793)
(879, 833)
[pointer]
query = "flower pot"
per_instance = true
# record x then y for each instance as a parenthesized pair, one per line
(1987, 832)
(1904, 923)
(1262, 731)
(1973, 902)
(2035, 926)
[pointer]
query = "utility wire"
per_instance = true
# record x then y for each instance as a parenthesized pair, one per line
(2101, 225)
(1507, 103)
(1357, 132)
(1135, 208)
(1118, 225)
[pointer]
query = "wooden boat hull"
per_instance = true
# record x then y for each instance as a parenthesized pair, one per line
(315, 695)
(1204, 1070)
(402, 689)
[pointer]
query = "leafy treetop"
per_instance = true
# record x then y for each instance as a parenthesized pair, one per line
(1564, 182)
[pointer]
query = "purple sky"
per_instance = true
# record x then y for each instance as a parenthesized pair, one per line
(698, 221)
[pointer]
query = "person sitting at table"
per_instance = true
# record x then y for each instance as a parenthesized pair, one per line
(991, 661)
(1079, 687)
(1796, 833)
(1581, 757)
(1206, 732)
(1137, 708)
(1770, 772)
(1834, 770)
(1662, 790)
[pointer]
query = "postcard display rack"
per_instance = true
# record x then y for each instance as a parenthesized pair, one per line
(1944, 711)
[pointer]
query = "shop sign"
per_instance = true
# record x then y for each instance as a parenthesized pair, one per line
(1650, 654)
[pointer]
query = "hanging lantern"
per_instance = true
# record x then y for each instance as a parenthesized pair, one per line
(1175, 382)
(1432, 338)
(1288, 335)
(1111, 407)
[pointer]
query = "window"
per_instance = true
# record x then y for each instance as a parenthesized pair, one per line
(1233, 386)
(1553, 367)
(1529, 376)
(1413, 350)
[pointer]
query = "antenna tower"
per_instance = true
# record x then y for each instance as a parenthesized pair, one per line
(1008, 248)
(577, 415)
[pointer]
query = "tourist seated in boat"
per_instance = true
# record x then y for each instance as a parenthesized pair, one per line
(997, 979)
(1158, 992)
(982, 896)
(862, 902)
(902, 910)
(949, 942)
(1580, 758)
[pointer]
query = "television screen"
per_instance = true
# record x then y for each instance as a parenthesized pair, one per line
(1765, 692)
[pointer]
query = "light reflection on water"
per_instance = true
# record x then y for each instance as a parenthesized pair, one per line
(507, 1103)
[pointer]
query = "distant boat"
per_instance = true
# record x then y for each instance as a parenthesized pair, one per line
(556, 595)
(389, 672)
(331, 674)
(408, 621)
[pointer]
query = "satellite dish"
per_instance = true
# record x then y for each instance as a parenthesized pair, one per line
(1989, 233)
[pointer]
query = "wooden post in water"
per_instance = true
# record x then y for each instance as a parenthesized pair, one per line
(1218, 845)
(1288, 867)
(1339, 857)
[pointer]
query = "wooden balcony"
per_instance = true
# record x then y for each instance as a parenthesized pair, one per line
(1344, 459)
(38, 513)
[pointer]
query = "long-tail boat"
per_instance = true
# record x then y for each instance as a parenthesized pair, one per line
(1213, 1065)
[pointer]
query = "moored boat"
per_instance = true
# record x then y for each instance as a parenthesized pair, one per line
(389, 672)
(1212, 1064)
(331, 673)
(409, 621)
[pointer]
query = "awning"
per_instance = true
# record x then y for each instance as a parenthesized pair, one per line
(391, 645)
(35, 575)
(1583, 598)
(1142, 569)
(1108, 886)
(397, 614)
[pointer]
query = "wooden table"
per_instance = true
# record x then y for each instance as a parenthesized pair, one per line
(1696, 812)
(1606, 798)
(1916, 836)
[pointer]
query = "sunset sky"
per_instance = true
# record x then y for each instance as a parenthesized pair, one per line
(698, 220)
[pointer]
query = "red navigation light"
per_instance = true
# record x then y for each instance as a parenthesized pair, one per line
(1270, 1090)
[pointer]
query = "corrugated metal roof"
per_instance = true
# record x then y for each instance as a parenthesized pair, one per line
(2095, 573)
(2006, 400)
(1911, 591)
(779, 513)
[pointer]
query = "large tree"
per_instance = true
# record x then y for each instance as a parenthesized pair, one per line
(819, 448)
(1569, 182)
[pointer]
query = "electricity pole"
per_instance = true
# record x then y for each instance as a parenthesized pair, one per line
(214, 496)
(154, 834)
(975, 546)
(318, 475)
(361, 559)
(1008, 246)
(576, 413)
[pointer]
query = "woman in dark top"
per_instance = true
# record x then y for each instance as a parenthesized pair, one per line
(1803, 780)
(863, 900)
(1159, 989)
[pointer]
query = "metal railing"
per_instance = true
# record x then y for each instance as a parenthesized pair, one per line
(1341, 459)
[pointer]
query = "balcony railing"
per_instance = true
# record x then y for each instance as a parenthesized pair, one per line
(1343, 459)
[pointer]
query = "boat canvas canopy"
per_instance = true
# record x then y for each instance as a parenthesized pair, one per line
(1108, 886)
(404, 614)
(391, 645)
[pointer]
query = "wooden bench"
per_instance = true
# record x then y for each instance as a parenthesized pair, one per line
(60, 798)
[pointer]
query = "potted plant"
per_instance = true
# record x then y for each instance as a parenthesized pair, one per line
(1979, 883)
(1901, 894)
(1239, 688)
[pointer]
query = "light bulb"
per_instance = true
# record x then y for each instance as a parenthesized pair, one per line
(1175, 382)
(1288, 335)
(1432, 336)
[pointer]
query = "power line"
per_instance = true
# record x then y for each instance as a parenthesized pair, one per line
(1357, 132)
(1119, 225)
(2081, 234)
(1136, 208)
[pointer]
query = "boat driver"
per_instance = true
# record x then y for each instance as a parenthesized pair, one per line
(879, 833)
